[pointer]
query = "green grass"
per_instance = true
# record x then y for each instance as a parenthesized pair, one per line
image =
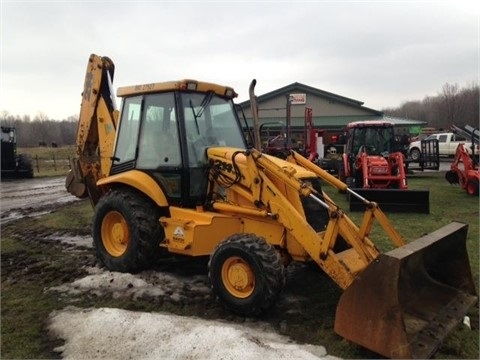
(25, 304)
(447, 203)
(76, 219)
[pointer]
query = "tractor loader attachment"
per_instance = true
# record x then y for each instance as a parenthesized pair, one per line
(393, 200)
(407, 301)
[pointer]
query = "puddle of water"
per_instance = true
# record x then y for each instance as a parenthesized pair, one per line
(84, 241)
(15, 215)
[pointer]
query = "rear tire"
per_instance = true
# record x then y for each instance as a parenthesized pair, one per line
(246, 274)
(472, 187)
(126, 231)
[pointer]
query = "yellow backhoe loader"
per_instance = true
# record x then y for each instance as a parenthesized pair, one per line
(173, 174)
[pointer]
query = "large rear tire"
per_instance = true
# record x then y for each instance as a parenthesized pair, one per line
(126, 231)
(246, 274)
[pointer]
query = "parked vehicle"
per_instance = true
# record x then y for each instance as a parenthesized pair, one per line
(13, 165)
(447, 145)
(374, 165)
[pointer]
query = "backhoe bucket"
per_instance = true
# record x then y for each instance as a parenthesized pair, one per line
(406, 301)
(393, 200)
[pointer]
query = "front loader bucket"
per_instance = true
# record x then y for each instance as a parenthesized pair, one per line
(393, 200)
(406, 301)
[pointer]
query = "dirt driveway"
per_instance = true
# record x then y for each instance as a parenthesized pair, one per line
(32, 197)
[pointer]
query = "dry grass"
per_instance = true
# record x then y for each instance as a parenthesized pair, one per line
(48, 161)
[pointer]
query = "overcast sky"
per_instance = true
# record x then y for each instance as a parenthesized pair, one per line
(380, 52)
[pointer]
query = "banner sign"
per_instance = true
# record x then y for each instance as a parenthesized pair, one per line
(297, 99)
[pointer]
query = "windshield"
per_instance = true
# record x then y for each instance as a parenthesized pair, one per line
(210, 120)
(375, 140)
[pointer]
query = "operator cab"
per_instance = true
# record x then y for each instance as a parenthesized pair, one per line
(374, 137)
(166, 134)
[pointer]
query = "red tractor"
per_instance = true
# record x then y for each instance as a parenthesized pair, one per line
(374, 165)
(464, 168)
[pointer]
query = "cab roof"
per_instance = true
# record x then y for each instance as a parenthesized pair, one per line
(367, 123)
(180, 85)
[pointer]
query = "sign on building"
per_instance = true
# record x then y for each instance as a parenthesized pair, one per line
(298, 99)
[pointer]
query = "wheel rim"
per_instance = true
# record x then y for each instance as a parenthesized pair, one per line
(415, 155)
(115, 233)
(238, 277)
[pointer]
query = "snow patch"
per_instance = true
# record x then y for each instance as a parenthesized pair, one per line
(108, 333)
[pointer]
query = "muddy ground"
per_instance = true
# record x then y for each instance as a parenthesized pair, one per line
(56, 268)
(52, 268)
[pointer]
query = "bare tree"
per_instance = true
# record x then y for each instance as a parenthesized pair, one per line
(452, 106)
(451, 103)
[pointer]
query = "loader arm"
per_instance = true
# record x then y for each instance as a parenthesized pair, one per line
(372, 210)
(343, 266)
(258, 183)
(96, 131)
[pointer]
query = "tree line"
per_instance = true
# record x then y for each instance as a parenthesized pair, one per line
(452, 106)
(41, 131)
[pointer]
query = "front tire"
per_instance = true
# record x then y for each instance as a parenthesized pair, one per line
(126, 231)
(415, 154)
(246, 274)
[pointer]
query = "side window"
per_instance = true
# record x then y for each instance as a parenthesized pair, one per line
(128, 131)
(359, 139)
(159, 143)
(442, 138)
(351, 141)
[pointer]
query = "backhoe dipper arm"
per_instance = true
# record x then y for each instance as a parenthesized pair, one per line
(96, 130)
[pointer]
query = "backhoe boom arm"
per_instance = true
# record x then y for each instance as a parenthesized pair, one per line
(96, 130)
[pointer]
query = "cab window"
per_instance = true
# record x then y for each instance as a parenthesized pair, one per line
(128, 131)
(159, 144)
